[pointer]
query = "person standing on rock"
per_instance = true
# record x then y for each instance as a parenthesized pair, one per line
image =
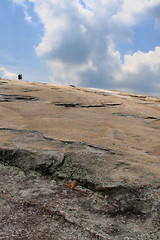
(19, 76)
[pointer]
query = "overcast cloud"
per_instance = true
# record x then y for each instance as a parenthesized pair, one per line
(81, 37)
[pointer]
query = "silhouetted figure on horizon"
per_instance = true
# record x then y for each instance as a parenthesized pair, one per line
(19, 76)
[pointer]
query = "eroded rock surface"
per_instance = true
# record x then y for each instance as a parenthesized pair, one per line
(78, 163)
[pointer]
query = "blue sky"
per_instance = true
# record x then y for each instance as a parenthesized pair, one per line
(110, 44)
(18, 40)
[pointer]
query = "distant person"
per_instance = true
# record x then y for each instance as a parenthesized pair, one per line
(19, 76)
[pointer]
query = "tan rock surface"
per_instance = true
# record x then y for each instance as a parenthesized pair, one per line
(108, 142)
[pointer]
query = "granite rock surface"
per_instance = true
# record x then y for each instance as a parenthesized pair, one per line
(78, 163)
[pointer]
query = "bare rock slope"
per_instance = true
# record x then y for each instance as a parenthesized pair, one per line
(78, 163)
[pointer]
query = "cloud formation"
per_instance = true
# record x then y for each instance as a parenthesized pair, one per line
(141, 71)
(80, 39)
(23, 4)
(4, 73)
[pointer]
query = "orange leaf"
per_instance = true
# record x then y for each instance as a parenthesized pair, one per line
(72, 184)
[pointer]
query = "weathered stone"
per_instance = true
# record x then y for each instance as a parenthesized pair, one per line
(78, 163)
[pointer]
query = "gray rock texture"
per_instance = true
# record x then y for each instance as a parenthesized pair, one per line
(78, 164)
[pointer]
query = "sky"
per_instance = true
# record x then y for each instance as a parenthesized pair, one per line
(106, 44)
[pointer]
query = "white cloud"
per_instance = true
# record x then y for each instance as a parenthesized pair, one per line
(28, 18)
(19, 2)
(4, 73)
(76, 37)
(23, 3)
(139, 60)
(141, 71)
(66, 74)
(79, 42)
(130, 12)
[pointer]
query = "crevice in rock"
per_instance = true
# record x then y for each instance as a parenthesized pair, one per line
(67, 104)
(11, 98)
(49, 165)
(124, 201)
(74, 143)
(76, 105)
(28, 161)
(112, 191)
(1, 83)
(134, 116)
(30, 90)
(20, 130)
(150, 117)
(22, 159)
(139, 96)
(125, 115)
(48, 169)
